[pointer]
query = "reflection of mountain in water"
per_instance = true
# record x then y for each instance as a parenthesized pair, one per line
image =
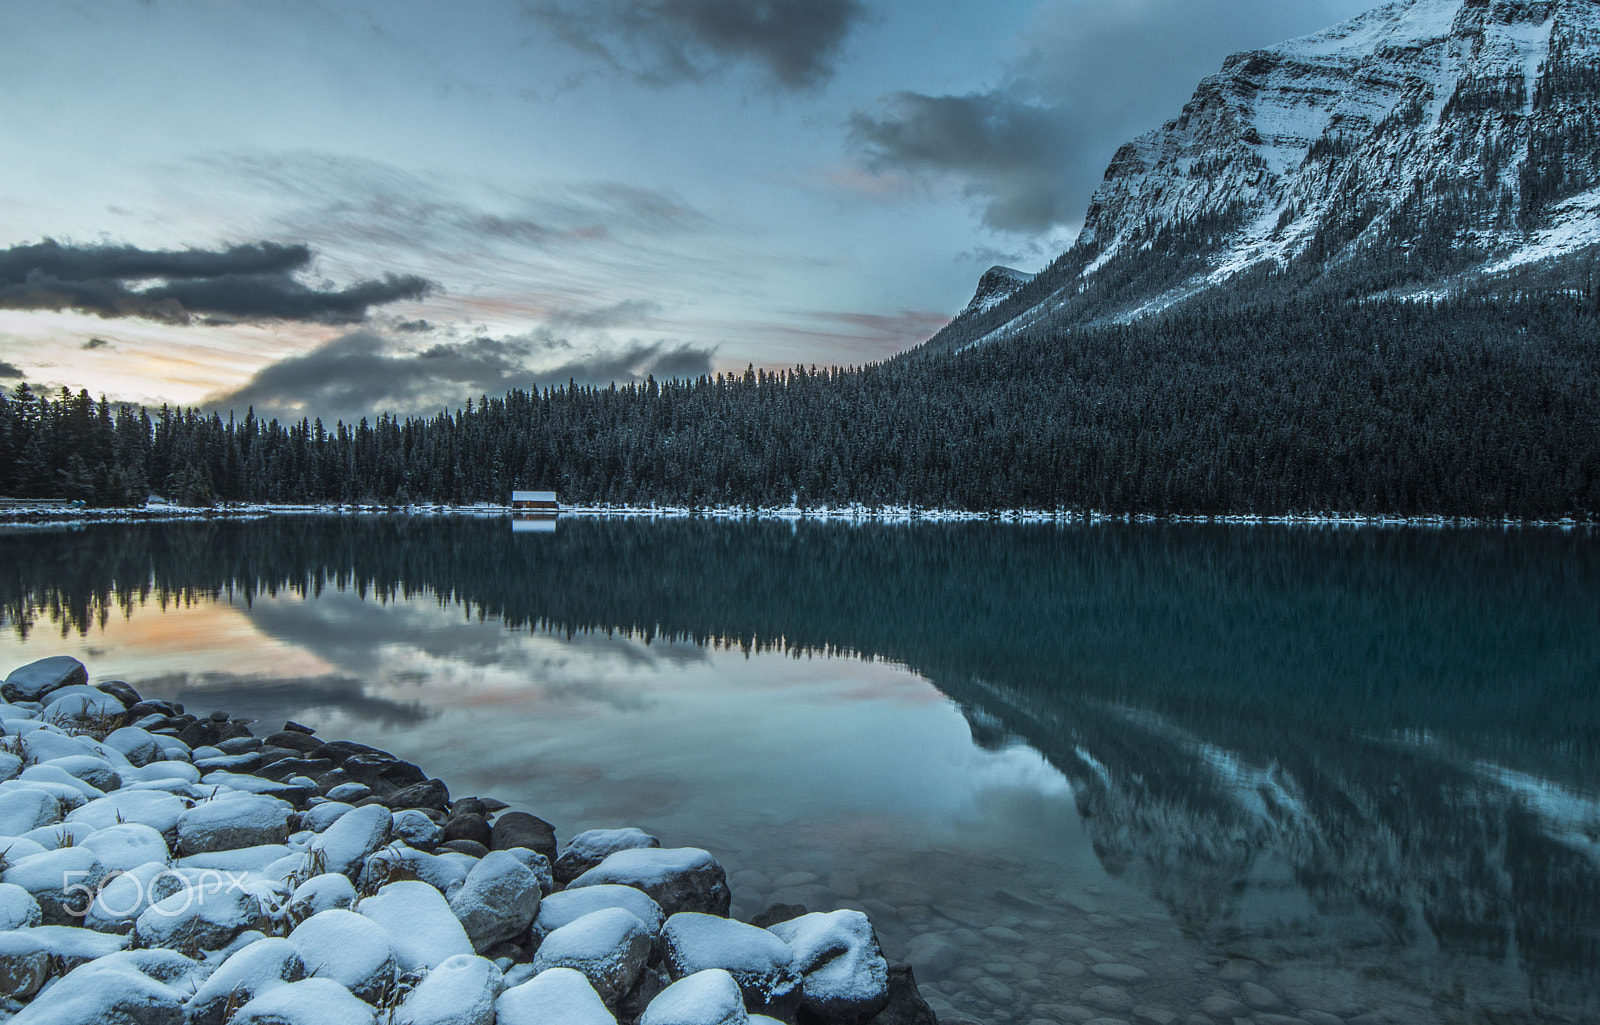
(1301, 738)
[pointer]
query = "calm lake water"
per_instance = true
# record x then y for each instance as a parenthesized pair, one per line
(1069, 771)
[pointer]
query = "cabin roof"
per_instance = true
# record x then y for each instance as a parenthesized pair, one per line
(533, 496)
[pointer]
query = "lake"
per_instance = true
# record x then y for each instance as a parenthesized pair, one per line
(1134, 771)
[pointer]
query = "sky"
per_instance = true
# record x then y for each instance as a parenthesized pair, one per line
(337, 207)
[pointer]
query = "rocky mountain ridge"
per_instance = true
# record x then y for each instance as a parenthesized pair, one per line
(1419, 147)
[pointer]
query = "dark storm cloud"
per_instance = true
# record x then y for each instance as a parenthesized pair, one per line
(9, 371)
(663, 42)
(1091, 75)
(1009, 154)
(363, 373)
(247, 282)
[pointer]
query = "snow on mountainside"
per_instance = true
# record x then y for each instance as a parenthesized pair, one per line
(1416, 146)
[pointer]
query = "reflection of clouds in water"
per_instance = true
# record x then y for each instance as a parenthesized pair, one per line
(268, 699)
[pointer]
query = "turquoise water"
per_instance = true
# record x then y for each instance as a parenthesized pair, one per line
(1068, 771)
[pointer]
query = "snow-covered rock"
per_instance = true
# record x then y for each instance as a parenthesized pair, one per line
(68, 788)
(845, 974)
(321, 816)
(24, 965)
(444, 873)
(136, 987)
(78, 708)
(136, 745)
(37, 679)
(760, 962)
(705, 998)
(62, 881)
(232, 821)
(460, 991)
(246, 974)
(676, 878)
(97, 772)
(558, 996)
(121, 900)
(10, 765)
(345, 845)
(348, 948)
(414, 828)
(26, 808)
(159, 811)
(322, 892)
(307, 1002)
(610, 947)
(204, 916)
(569, 905)
(124, 847)
(421, 928)
(18, 909)
(591, 847)
(497, 901)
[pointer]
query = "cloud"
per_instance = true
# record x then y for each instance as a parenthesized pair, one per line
(364, 373)
(95, 343)
(246, 282)
(1089, 76)
(1008, 153)
(666, 42)
(9, 371)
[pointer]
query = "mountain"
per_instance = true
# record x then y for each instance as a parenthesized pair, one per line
(1422, 147)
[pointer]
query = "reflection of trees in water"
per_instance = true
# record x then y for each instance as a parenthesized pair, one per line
(1284, 840)
(1355, 678)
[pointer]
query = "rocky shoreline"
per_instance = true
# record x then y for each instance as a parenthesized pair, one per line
(163, 868)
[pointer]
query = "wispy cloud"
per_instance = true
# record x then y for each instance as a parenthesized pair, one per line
(667, 42)
(245, 282)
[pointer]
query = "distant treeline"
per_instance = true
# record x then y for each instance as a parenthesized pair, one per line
(1460, 407)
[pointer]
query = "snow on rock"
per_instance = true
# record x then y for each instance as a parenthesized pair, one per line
(43, 744)
(324, 815)
(205, 916)
(36, 679)
(10, 765)
(345, 845)
(154, 772)
(23, 809)
(559, 996)
(155, 809)
(18, 909)
(677, 878)
(320, 893)
(710, 997)
(62, 881)
(443, 873)
(97, 772)
(307, 1002)
(243, 859)
(138, 746)
(415, 828)
(121, 900)
(124, 847)
(609, 946)
(24, 965)
(421, 928)
(845, 974)
(497, 901)
(232, 821)
(460, 991)
(67, 787)
(348, 948)
(591, 847)
(760, 962)
(137, 987)
(569, 905)
(246, 974)
(76, 708)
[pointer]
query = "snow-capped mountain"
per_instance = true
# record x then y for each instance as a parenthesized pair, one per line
(1416, 146)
